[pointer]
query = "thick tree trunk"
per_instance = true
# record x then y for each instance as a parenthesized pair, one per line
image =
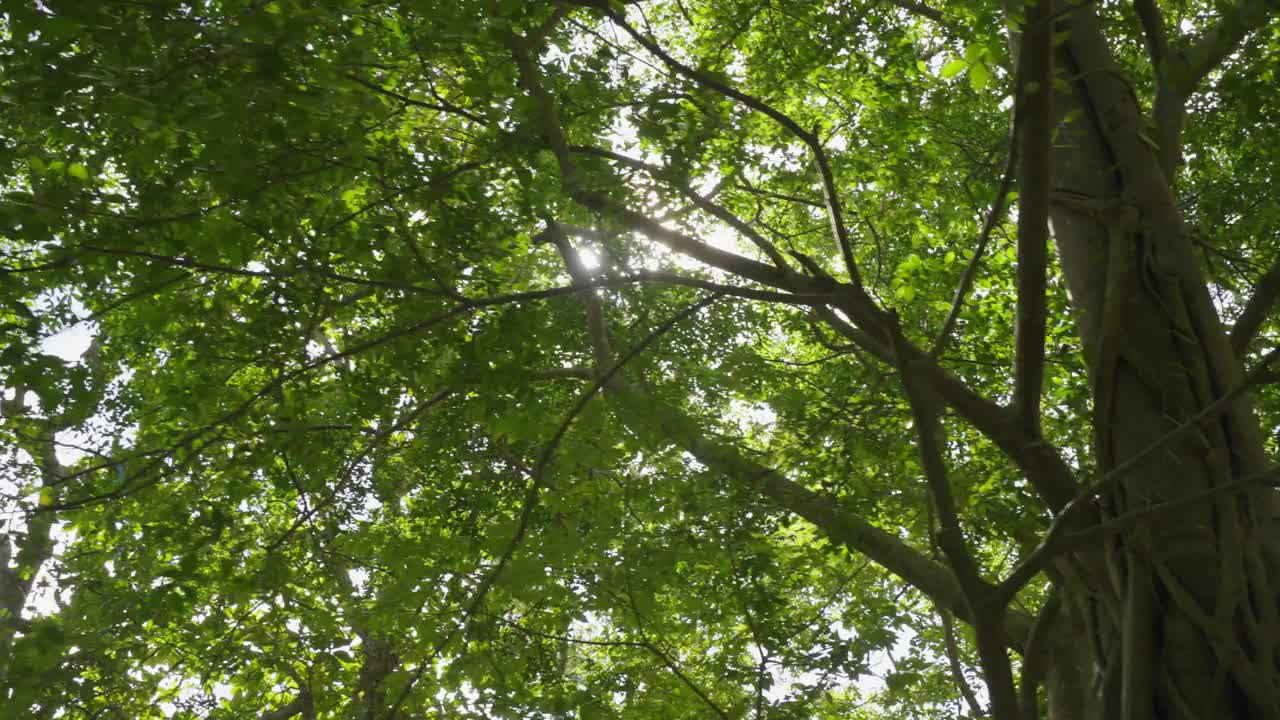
(1183, 613)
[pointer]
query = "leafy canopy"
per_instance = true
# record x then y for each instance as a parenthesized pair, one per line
(342, 442)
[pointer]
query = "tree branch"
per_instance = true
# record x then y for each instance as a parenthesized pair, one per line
(379, 661)
(957, 670)
(988, 226)
(1039, 460)
(552, 132)
(835, 212)
(442, 107)
(298, 706)
(672, 425)
(985, 610)
(273, 274)
(748, 187)
(1034, 129)
(1052, 478)
(718, 211)
(1265, 295)
(666, 659)
(850, 531)
(35, 548)
(666, 422)
(1180, 70)
(565, 373)
(1207, 51)
(919, 8)
(679, 242)
(600, 346)
(1153, 31)
(1168, 112)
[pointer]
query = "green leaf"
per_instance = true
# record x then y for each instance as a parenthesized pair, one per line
(953, 67)
(979, 76)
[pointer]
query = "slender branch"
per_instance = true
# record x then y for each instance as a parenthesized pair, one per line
(748, 187)
(666, 659)
(297, 707)
(273, 274)
(548, 125)
(688, 682)
(704, 203)
(35, 546)
(1197, 500)
(987, 613)
(835, 212)
(988, 226)
(596, 326)
(1265, 295)
(922, 10)
(1035, 140)
(565, 373)
(348, 474)
(702, 252)
(586, 233)
(144, 478)
(918, 8)
(957, 670)
(443, 107)
(1154, 32)
(1207, 51)
(498, 619)
(1255, 682)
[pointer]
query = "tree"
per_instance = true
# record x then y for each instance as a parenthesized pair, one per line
(640, 359)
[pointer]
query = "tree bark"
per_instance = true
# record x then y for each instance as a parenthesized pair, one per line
(1181, 609)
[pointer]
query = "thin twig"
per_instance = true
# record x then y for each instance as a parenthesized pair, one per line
(988, 226)
(810, 138)
(718, 211)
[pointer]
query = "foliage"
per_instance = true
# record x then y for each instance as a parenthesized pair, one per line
(355, 437)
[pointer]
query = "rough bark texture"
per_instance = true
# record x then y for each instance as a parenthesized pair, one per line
(1181, 608)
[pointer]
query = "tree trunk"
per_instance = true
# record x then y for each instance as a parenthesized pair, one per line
(1182, 612)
